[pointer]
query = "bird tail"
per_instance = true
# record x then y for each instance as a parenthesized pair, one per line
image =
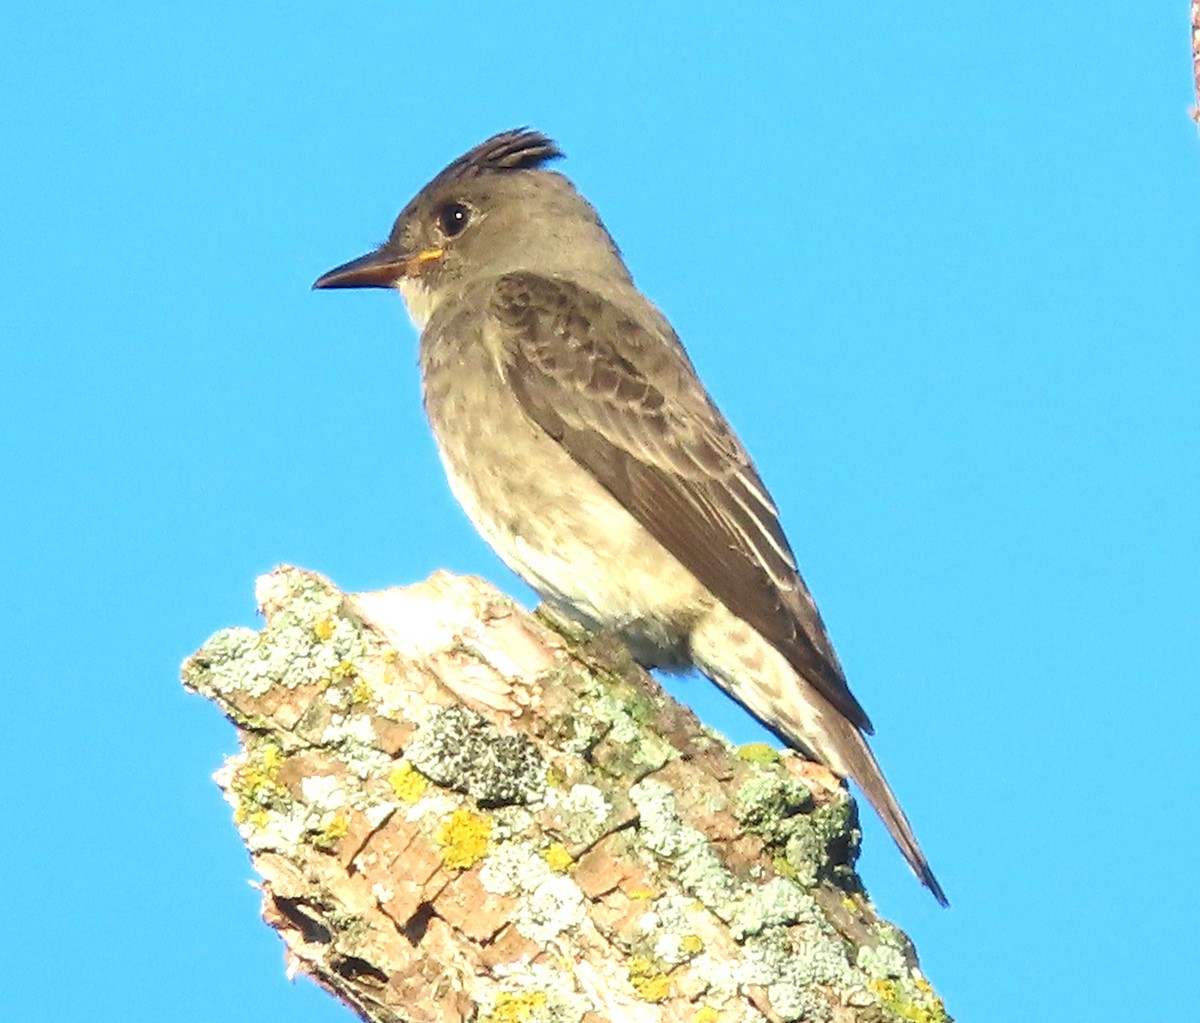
(859, 763)
(755, 674)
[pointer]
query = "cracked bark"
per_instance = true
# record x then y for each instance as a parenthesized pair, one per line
(462, 811)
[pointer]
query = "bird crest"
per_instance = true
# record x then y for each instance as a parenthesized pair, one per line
(517, 149)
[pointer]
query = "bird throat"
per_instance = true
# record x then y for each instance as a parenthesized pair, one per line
(419, 299)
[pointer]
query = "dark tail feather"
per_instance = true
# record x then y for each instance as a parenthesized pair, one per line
(861, 765)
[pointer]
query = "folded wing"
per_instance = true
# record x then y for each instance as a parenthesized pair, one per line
(622, 399)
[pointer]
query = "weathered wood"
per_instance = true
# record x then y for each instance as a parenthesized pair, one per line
(462, 811)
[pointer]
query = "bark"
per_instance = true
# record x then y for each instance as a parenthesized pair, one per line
(462, 811)
(1195, 11)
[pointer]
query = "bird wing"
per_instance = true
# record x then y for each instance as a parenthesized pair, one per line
(621, 397)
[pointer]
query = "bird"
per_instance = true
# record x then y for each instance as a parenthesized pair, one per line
(581, 443)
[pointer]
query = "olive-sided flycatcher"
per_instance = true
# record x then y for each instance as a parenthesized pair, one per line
(579, 440)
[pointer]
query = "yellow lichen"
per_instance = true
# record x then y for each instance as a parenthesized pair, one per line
(893, 998)
(557, 858)
(692, 944)
(271, 759)
(515, 1007)
(885, 990)
(332, 833)
(407, 782)
(261, 771)
(655, 987)
(362, 691)
(257, 819)
(706, 1014)
(648, 979)
(464, 838)
(784, 868)
(324, 628)
(256, 785)
(758, 753)
(642, 893)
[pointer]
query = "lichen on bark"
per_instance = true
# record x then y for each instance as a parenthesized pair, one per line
(462, 811)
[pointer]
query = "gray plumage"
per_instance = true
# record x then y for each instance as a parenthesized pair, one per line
(579, 440)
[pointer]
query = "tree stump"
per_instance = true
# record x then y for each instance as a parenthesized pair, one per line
(464, 811)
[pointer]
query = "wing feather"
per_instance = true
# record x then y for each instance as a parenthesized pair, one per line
(622, 399)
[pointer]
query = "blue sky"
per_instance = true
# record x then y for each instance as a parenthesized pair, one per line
(938, 265)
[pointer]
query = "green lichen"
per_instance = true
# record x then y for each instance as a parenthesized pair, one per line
(777, 902)
(511, 823)
(836, 820)
(884, 958)
(303, 643)
(689, 856)
(899, 987)
(768, 802)
(580, 814)
(607, 723)
(514, 868)
(808, 1006)
(780, 809)
(667, 929)
(792, 969)
(629, 749)
(786, 869)
(351, 735)
(786, 945)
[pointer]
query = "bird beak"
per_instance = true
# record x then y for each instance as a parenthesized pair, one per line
(379, 269)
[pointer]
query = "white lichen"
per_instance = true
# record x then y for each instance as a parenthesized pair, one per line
(323, 792)
(582, 813)
(555, 905)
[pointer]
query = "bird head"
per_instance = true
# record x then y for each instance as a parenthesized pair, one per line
(494, 210)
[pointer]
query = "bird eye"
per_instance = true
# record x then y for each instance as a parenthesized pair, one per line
(453, 217)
